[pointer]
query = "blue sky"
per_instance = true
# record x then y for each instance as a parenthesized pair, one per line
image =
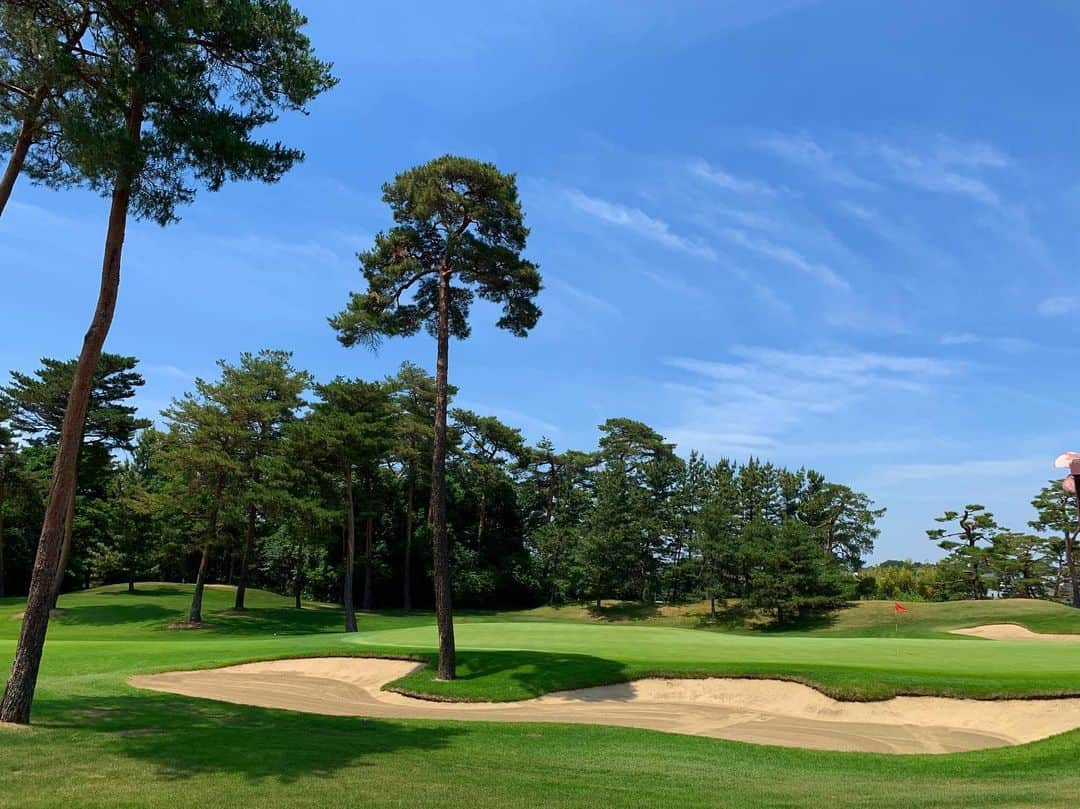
(839, 234)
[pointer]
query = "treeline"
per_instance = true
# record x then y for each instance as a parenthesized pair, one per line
(986, 560)
(263, 477)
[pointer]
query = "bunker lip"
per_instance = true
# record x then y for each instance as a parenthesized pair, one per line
(1014, 632)
(760, 711)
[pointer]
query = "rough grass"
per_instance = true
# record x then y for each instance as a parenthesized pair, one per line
(99, 743)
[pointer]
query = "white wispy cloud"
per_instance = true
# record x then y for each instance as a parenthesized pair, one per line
(759, 396)
(966, 338)
(587, 299)
(513, 417)
(968, 468)
(722, 179)
(171, 371)
(1058, 305)
(638, 222)
(930, 173)
(787, 255)
(973, 154)
(802, 151)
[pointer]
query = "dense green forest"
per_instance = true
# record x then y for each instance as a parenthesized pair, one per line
(251, 478)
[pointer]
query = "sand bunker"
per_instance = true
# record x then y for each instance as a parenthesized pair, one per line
(760, 711)
(1013, 632)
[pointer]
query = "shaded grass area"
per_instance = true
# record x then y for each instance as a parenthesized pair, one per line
(97, 742)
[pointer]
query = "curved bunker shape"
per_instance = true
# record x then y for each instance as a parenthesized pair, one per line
(759, 711)
(1014, 632)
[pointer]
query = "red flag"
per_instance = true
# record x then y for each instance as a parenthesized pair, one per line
(898, 607)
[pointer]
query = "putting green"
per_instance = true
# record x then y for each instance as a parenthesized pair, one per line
(860, 668)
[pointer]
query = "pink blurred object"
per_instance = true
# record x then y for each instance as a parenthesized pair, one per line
(1065, 459)
(1069, 484)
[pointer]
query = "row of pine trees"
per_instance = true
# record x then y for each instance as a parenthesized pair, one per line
(264, 477)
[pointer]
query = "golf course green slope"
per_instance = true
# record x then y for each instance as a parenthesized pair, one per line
(97, 742)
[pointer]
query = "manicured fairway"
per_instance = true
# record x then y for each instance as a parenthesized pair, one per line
(98, 742)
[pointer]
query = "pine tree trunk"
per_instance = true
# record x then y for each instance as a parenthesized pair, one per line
(369, 581)
(407, 593)
(298, 583)
(3, 494)
(65, 553)
(350, 551)
(19, 692)
(482, 517)
(195, 614)
(22, 146)
(249, 552)
(444, 609)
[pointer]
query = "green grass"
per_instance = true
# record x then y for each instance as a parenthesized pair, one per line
(96, 742)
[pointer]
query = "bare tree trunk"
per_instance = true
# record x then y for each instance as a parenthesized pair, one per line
(407, 593)
(65, 553)
(249, 552)
(350, 550)
(298, 583)
(22, 145)
(369, 580)
(673, 593)
(195, 614)
(19, 692)
(444, 607)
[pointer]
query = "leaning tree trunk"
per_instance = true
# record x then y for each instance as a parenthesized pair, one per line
(23, 142)
(350, 551)
(65, 552)
(444, 608)
(19, 692)
(195, 614)
(249, 553)
(369, 579)
(407, 591)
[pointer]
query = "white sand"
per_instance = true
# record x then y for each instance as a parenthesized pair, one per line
(1014, 632)
(760, 711)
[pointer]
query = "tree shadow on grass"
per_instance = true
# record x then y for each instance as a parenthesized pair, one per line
(736, 616)
(186, 737)
(109, 615)
(625, 611)
(266, 621)
(513, 675)
(804, 623)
